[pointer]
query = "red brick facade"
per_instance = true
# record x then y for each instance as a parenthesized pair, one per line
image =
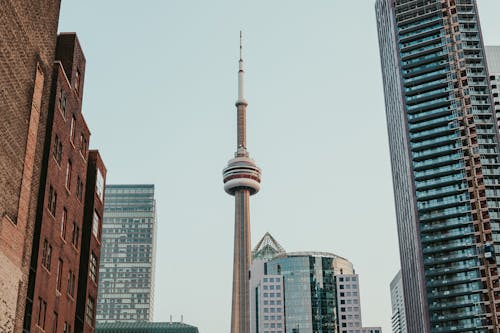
(91, 245)
(61, 244)
(27, 42)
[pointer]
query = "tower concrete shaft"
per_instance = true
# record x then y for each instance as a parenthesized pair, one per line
(241, 179)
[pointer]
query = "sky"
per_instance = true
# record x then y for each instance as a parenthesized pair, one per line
(160, 87)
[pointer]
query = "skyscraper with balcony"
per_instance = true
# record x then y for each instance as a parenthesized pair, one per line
(126, 276)
(493, 58)
(445, 163)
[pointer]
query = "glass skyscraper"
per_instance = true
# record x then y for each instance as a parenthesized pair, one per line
(126, 276)
(445, 164)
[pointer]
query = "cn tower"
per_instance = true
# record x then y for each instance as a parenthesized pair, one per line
(241, 180)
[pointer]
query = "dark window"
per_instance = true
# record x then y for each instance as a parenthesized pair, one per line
(62, 102)
(54, 323)
(69, 172)
(75, 235)
(64, 223)
(52, 202)
(59, 274)
(46, 254)
(57, 149)
(93, 267)
(79, 188)
(90, 312)
(72, 130)
(42, 308)
(71, 283)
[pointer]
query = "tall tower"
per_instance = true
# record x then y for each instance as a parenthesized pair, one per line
(241, 180)
(445, 163)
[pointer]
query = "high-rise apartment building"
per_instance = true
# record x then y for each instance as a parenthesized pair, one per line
(493, 59)
(445, 164)
(303, 292)
(66, 238)
(28, 32)
(126, 277)
(398, 318)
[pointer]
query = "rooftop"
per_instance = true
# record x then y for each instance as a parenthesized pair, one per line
(146, 327)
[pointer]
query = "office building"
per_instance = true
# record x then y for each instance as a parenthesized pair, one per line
(26, 61)
(445, 164)
(146, 327)
(241, 180)
(126, 278)
(493, 59)
(303, 292)
(398, 318)
(66, 237)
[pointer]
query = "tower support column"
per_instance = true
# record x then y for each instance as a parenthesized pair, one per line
(240, 321)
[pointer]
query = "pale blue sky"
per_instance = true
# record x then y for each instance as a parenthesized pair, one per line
(160, 87)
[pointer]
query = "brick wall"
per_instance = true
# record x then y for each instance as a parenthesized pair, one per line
(27, 43)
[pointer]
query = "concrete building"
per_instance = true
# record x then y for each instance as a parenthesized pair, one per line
(146, 327)
(62, 242)
(493, 59)
(126, 277)
(443, 140)
(398, 318)
(28, 32)
(241, 180)
(303, 292)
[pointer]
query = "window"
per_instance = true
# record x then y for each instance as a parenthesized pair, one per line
(64, 222)
(93, 267)
(99, 185)
(96, 225)
(90, 312)
(60, 265)
(72, 130)
(77, 81)
(69, 171)
(42, 308)
(62, 102)
(75, 235)
(52, 202)
(79, 188)
(54, 323)
(67, 327)
(71, 283)
(83, 145)
(57, 149)
(46, 254)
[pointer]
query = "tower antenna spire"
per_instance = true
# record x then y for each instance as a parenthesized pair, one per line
(241, 72)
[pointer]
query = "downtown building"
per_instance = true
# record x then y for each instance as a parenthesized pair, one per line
(445, 164)
(126, 278)
(28, 32)
(303, 292)
(493, 59)
(398, 319)
(62, 283)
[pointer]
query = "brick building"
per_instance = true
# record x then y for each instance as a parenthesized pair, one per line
(62, 288)
(28, 32)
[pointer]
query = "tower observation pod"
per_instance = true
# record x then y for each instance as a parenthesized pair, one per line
(241, 180)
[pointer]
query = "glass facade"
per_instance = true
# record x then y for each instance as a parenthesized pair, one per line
(446, 168)
(126, 276)
(309, 291)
